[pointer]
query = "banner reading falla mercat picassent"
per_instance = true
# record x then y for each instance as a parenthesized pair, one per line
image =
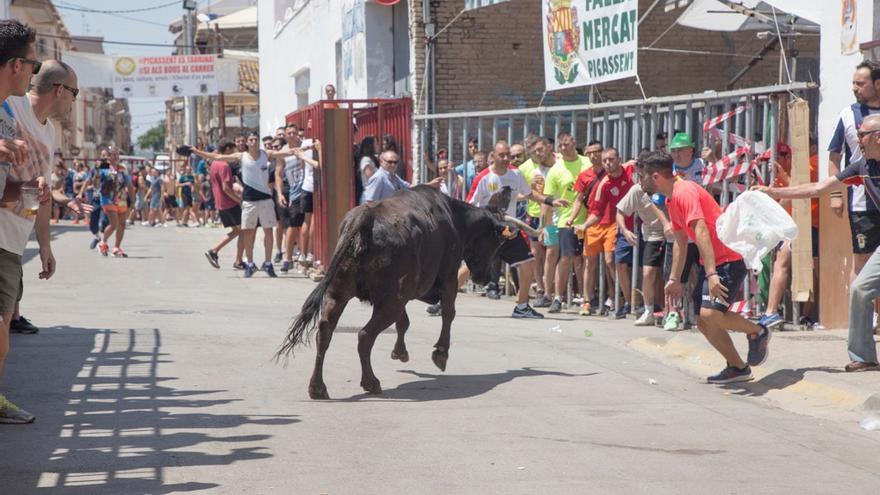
(589, 41)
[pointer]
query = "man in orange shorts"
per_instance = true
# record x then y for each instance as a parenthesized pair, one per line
(116, 189)
(601, 225)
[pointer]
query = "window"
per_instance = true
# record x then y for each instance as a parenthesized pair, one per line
(301, 82)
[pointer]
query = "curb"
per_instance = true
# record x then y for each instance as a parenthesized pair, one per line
(785, 387)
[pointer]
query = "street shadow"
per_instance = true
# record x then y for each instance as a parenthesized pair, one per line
(778, 380)
(109, 422)
(508, 317)
(450, 387)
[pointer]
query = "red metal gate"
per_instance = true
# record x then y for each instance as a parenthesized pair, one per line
(376, 117)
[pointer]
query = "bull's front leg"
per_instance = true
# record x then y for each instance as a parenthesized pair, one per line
(447, 312)
(399, 352)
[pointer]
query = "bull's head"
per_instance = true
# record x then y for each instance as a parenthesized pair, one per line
(487, 229)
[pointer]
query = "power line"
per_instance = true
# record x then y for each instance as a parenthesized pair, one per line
(144, 21)
(129, 11)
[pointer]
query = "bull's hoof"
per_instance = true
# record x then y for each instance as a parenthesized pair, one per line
(371, 386)
(440, 357)
(400, 356)
(318, 392)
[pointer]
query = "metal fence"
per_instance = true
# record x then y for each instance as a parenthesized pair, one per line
(751, 118)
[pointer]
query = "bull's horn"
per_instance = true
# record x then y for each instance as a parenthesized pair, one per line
(522, 225)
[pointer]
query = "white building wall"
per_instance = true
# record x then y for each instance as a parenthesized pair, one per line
(308, 45)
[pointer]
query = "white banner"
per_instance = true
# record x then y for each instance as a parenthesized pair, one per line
(93, 70)
(475, 4)
(165, 76)
(589, 41)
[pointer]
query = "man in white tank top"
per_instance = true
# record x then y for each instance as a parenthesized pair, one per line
(257, 204)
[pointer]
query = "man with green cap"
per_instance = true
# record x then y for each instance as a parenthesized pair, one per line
(687, 165)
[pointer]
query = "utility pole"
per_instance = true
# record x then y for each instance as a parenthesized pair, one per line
(190, 113)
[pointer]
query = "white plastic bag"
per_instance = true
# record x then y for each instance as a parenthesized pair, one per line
(753, 225)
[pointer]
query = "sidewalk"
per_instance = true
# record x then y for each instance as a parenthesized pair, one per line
(803, 373)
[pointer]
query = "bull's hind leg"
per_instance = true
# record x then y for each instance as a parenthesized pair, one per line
(383, 316)
(331, 310)
(399, 351)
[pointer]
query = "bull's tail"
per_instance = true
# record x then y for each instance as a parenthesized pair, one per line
(354, 238)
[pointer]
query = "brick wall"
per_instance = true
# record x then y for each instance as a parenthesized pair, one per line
(491, 58)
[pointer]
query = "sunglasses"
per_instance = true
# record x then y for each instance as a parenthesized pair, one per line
(391, 162)
(518, 155)
(73, 91)
(36, 63)
(862, 134)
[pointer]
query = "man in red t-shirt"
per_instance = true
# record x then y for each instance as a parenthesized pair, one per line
(601, 225)
(585, 185)
(693, 213)
(228, 204)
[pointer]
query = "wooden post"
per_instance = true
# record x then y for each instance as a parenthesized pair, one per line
(802, 248)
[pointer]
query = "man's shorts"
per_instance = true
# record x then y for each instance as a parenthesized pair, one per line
(281, 213)
(231, 217)
(295, 214)
(653, 253)
(10, 281)
(515, 251)
(623, 251)
(569, 243)
(306, 201)
(206, 205)
(262, 211)
(600, 239)
(731, 275)
(186, 199)
(155, 201)
(865, 231)
(170, 202)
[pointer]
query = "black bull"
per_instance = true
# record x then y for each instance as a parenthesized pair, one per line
(408, 246)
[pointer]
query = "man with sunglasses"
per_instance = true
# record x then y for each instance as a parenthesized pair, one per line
(864, 216)
(16, 68)
(866, 286)
(51, 96)
(385, 181)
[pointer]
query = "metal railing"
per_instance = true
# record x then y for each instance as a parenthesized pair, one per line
(630, 126)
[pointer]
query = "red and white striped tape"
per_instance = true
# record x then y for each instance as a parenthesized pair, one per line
(714, 122)
(742, 307)
(722, 169)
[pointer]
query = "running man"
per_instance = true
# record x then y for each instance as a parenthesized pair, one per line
(693, 213)
(228, 204)
(116, 190)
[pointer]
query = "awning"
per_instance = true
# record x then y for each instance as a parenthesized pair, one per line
(721, 15)
(245, 18)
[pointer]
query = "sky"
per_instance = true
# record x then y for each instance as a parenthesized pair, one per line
(142, 27)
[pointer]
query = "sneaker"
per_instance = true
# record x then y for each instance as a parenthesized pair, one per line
(296, 253)
(577, 300)
(555, 306)
(646, 319)
(492, 292)
(673, 319)
(94, 243)
(758, 347)
(433, 309)
(731, 375)
(770, 321)
(526, 312)
(609, 303)
(104, 249)
(309, 260)
(119, 253)
(542, 301)
(285, 267)
(238, 265)
(213, 259)
(249, 270)
(11, 414)
(269, 269)
(622, 312)
(586, 309)
(23, 325)
(277, 258)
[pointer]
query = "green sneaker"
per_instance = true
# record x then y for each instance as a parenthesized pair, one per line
(672, 321)
(11, 414)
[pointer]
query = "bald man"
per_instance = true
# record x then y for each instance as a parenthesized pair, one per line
(866, 287)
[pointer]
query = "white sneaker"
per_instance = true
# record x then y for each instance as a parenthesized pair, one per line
(646, 320)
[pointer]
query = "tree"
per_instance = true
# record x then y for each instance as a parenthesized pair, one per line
(154, 138)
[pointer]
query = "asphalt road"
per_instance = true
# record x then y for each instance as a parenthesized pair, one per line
(154, 374)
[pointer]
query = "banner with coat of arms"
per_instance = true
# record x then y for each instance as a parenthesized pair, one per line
(589, 41)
